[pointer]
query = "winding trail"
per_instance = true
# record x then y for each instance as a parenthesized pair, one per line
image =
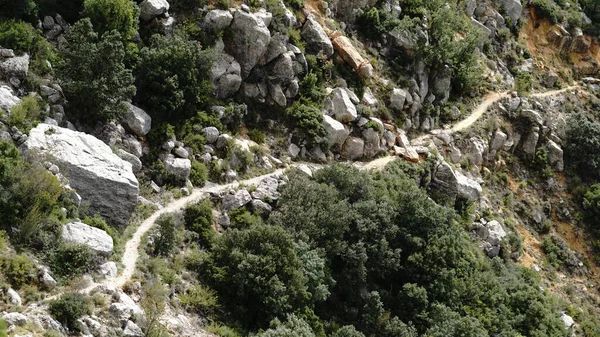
(131, 254)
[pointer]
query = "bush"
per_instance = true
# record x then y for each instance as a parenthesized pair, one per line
(22, 9)
(200, 299)
(241, 218)
(549, 10)
(198, 219)
(582, 138)
(69, 308)
(18, 269)
(523, 83)
(164, 243)
(308, 118)
(198, 174)
(258, 267)
(93, 74)
(107, 15)
(25, 114)
(17, 35)
(256, 136)
(172, 78)
(70, 260)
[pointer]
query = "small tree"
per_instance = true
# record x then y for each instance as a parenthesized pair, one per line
(108, 15)
(164, 243)
(198, 219)
(69, 308)
(93, 74)
(172, 78)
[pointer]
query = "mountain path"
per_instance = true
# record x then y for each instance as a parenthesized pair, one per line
(131, 253)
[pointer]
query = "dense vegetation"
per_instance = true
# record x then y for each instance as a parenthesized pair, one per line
(372, 251)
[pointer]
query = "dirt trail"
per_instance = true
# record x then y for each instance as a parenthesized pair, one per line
(488, 100)
(131, 254)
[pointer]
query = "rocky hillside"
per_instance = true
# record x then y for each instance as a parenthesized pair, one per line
(340, 168)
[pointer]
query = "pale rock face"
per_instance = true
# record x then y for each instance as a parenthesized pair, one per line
(7, 99)
(267, 189)
(316, 38)
(149, 9)
(97, 174)
(567, 320)
(250, 40)
(467, 188)
(225, 75)
(179, 167)
(498, 140)
(555, 156)
(132, 330)
(496, 233)
(513, 9)
(336, 133)
(137, 120)
(13, 297)
(343, 108)
(353, 148)
(217, 20)
(109, 269)
(15, 67)
(98, 240)
(372, 144)
(15, 318)
(398, 98)
(236, 200)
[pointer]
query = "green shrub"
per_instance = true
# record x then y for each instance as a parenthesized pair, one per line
(18, 269)
(25, 114)
(256, 136)
(523, 83)
(241, 218)
(198, 174)
(164, 243)
(200, 299)
(198, 219)
(582, 138)
(549, 10)
(172, 78)
(93, 74)
(69, 308)
(308, 118)
(70, 260)
(22, 9)
(107, 15)
(223, 330)
(17, 35)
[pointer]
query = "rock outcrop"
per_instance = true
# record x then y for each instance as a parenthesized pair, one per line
(346, 49)
(149, 9)
(316, 38)
(95, 238)
(98, 175)
(137, 120)
(249, 40)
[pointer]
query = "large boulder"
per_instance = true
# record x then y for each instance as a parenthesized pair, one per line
(353, 148)
(98, 175)
(372, 142)
(336, 133)
(137, 120)
(225, 75)
(249, 40)
(467, 188)
(498, 141)
(530, 142)
(95, 238)
(346, 49)
(180, 168)
(236, 200)
(555, 156)
(512, 9)
(316, 38)
(398, 98)
(7, 99)
(15, 67)
(149, 9)
(444, 180)
(343, 108)
(267, 189)
(217, 20)
(496, 233)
